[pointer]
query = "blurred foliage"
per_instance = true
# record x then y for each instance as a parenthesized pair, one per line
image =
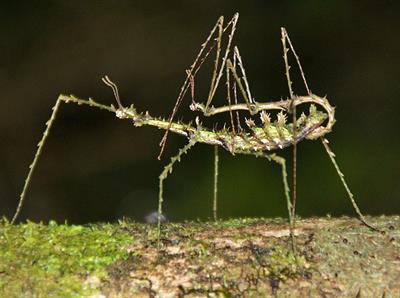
(98, 168)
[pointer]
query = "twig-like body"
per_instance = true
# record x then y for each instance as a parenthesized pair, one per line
(269, 137)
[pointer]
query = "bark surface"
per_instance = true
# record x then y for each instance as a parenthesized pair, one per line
(336, 257)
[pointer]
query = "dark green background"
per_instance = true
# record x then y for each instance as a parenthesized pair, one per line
(96, 167)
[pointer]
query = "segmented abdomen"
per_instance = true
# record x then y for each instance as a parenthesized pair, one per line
(267, 137)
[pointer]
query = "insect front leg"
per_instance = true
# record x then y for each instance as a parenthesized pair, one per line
(32, 166)
(164, 174)
(40, 145)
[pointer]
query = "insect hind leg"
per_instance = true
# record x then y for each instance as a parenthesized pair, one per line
(325, 142)
(282, 162)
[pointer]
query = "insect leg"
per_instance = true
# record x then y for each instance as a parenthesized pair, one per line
(40, 145)
(32, 166)
(292, 109)
(235, 97)
(285, 36)
(282, 162)
(245, 90)
(164, 174)
(190, 75)
(228, 98)
(244, 77)
(196, 65)
(325, 142)
(216, 163)
(218, 70)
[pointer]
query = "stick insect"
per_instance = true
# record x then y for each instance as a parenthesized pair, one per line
(259, 140)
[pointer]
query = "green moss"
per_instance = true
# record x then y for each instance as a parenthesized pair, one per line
(283, 265)
(336, 257)
(52, 260)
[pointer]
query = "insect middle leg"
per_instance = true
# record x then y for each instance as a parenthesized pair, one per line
(216, 165)
(164, 174)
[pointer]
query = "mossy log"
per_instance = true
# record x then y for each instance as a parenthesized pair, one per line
(336, 257)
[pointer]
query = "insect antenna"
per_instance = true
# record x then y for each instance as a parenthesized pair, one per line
(106, 80)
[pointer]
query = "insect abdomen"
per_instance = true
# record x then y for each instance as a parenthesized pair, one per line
(271, 135)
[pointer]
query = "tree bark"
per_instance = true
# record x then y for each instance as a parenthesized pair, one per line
(335, 257)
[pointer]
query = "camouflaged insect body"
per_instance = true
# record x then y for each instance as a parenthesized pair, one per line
(270, 135)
